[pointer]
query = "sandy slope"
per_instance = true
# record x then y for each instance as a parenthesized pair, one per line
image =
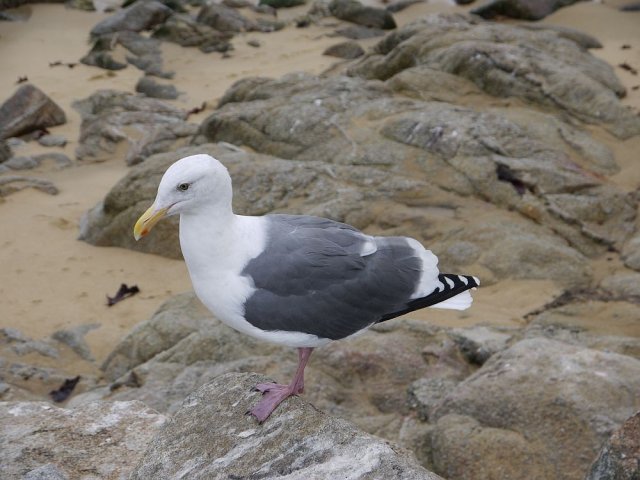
(49, 280)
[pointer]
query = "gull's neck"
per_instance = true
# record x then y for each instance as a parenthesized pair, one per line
(217, 240)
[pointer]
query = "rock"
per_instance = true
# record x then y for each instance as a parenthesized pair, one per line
(104, 438)
(353, 11)
(224, 19)
(347, 50)
(28, 109)
(153, 89)
(523, 164)
(141, 15)
(581, 38)
(185, 31)
(74, 339)
(623, 285)
(14, 183)
(5, 151)
(426, 394)
(144, 52)
(147, 125)
(176, 319)
(522, 9)
(23, 345)
(618, 459)
(477, 344)
(282, 3)
(503, 61)
(579, 322)
(211, 437)
(26, 163)
(463, 448)
(50, 140)
(632, 7)
(48, 471)
(631, 253)
(540, 409)
(357, 32)
(400, 5)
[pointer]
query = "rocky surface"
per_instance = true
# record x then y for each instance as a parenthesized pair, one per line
(355, 12)
(142, 52)
(145, 125)
(551, 72)
(523, 9)
(28, 109)
(298, 442)
(547, 405)
(14, 183)
(186, 31)
(140, 15)
(619, 459)
(153, 89)
(348, 50)
(97, 440)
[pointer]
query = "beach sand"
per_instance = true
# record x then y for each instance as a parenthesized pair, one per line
(49, 280)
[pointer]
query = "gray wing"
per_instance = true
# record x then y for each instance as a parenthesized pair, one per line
(327, 278)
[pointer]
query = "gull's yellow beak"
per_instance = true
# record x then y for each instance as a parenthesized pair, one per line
(147, 221)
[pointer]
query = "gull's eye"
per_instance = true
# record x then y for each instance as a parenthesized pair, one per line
(183, 187)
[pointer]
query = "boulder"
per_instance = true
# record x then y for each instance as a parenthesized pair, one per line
(141, 15)
(14, 183)
(347, 50)
(147, 125)
(101, 439)
(619, 457)
(355, 12)
(29, 162)
(522, 9)
(282, 3)
(631, 253)
(224, 19)
(479, 343)
(623, 285)
(185, 31)
(211, 437)
(540, 409)
(5, 151)
(538, 66)
(27, 110)
(143, 52)
(153, 89)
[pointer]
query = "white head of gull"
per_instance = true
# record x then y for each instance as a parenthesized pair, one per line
(295, 280)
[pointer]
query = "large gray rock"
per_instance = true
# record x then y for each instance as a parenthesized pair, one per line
(141, 15)
(540, 67)
(28, 109)
(185, 31)
(224, 19)
(147, 125)
(619, 459)
(524, 9)
(211, 437)
(548, 404)
(355, 12)
(97, 440)
(143, 52)
(153, 89)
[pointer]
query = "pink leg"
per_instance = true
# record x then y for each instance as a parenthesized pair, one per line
(274, 393)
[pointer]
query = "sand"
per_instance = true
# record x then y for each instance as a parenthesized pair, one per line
(49, 280)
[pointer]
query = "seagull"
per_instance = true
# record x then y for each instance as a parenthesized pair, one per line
(294, 280)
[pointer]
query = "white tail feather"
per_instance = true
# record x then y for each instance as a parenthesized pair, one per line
(462, 301)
